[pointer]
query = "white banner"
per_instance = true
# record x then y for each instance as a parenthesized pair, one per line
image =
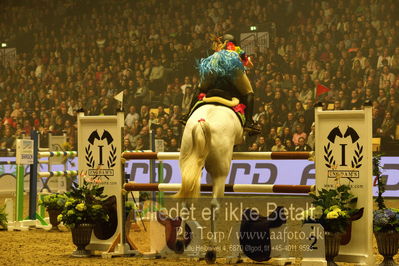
(100, 148)
(344, 156)
(24, 152)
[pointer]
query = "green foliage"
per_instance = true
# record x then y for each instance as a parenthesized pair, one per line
(3, 218)
(381, 186)
(130, 205)
(2, 169)
(333, 208)
(84, 205)
(53, 201)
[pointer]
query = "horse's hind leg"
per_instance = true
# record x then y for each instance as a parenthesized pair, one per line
(181, 234)
(218, 179)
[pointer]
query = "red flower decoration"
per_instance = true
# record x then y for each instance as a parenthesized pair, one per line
(230, 46)
(239, 108)
(244, 60)
(201, 96)
(375, 181)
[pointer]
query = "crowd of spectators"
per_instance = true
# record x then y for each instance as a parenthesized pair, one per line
(75, 54)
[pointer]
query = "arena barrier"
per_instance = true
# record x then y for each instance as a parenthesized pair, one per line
(343, 152)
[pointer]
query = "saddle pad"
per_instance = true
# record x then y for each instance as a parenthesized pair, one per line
(216, 99)
(233, 104)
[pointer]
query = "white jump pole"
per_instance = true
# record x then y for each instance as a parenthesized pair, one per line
(241, 188)
(70, 154)
(58, 173)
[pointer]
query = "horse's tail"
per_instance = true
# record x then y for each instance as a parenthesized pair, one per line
(192, 162)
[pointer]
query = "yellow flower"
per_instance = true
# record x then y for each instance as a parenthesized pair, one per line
(59, 218)
(70, 212)
(335, 209)
(80, 207)
(310, 212)
(97, 206)
(68, 203)
(332, 215)
(318, 212)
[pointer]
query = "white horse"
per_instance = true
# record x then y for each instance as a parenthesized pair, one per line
(208, 140)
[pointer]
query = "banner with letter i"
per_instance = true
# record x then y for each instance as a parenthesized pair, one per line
(99, 161)
(344, 156)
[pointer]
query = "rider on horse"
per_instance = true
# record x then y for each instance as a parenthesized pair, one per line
(224, 71)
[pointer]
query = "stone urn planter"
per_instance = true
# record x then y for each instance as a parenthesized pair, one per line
(346, 237)
(53, 214)
(332, 243)
(388, 244)
(81, 235)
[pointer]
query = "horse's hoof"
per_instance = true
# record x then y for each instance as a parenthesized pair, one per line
(179, 246)
(210, 256)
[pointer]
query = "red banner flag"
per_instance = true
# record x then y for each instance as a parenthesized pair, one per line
(321, 90)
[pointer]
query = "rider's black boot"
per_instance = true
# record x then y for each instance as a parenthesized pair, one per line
(250, 125)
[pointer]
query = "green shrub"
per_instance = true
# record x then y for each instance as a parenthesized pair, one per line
(3, 218)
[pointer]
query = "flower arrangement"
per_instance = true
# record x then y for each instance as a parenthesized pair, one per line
(84, 204)
(53, 201)
(333, 209)
(3, 218)
(384, 219)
